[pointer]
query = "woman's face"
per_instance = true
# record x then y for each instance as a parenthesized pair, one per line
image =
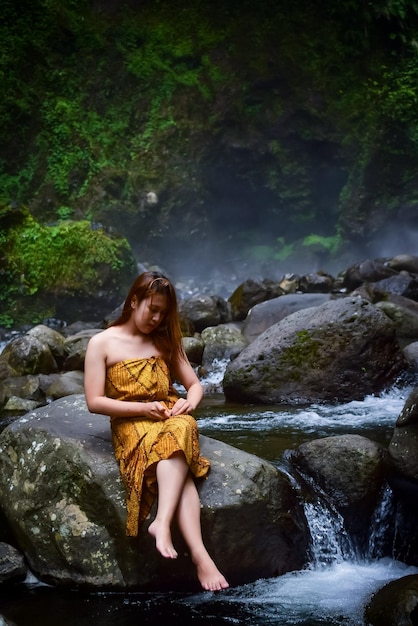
(150, 312)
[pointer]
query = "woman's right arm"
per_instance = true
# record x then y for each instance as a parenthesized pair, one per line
(94, 388)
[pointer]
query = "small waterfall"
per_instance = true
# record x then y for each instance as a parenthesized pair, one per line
(381, 526)
(330, 541)
(212, 381)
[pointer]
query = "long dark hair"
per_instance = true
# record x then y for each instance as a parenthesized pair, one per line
(167, 336)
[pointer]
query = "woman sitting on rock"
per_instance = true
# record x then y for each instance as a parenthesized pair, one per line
(129, 368)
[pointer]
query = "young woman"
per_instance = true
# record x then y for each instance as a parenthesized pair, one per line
(128, 372)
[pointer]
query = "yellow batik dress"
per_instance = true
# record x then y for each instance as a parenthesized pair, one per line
(139, 443)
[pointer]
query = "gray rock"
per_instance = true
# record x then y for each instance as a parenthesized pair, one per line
(61, 493)
(12, 565)
(350, 470)
(403, 284)
(316, 283)
(406, 262)
(194, 346)
(411, 355)
(204, 310)
(395, 604)
(264, 315)
(339, 351)
(26, 355)
(50, 337)
(404, 314)
(403, 446)
(224, 341)
(367, 271)
(75, 348)
(250, 293)
(66, 384)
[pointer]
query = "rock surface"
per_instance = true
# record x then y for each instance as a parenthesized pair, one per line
(61, 494)
(339, 351)
(395, 604)
(350, 470)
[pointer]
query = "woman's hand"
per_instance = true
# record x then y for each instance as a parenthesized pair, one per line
(182, 407)
(156, 411)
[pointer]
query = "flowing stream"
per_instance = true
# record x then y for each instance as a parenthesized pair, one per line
(332, 590)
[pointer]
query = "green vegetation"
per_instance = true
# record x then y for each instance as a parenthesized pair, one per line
(329, 244)
(307, 109)
(68, 258)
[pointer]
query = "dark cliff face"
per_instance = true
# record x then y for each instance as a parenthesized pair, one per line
(255, 125)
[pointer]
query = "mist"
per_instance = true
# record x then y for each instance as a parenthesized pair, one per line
(225, 257)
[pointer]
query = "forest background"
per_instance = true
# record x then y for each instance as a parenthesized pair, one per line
(231, 137)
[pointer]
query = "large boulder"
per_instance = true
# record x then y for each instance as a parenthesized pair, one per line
(350, 470)
(265, 314)
(404, 262)
(61, 494)
(342, 350)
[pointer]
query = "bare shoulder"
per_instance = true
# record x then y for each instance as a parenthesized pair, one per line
(102, 338)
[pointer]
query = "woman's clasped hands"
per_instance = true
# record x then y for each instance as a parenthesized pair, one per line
(158, 410)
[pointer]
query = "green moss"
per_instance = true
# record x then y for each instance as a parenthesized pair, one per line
(305, 352)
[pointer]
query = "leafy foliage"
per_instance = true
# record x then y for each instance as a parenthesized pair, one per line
(68, 257)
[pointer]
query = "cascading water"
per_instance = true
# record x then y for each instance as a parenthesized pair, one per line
(330, 542)
(335, 586)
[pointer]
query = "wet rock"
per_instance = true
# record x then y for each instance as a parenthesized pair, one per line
(61, 494)
(368, 271)
(27, 355)
(194, 346)
(66, 384)
(50, 337)
(404, 262)
(403, 446)
(350, 470)
(204, 310)
(222, 342)
(316, 283)
(252, 292)
(12, 565)
(411, 355)
(403, 284)
(404, 314)
(395, 604)
(75, 348)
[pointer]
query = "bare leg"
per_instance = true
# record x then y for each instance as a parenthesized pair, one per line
(188, 518)
(171, 474)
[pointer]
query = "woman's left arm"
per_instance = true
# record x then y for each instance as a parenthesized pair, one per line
(185, 374)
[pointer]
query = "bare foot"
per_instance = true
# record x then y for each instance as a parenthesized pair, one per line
(163, 542)
(209, 576)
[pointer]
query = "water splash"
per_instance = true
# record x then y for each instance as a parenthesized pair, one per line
(381, 525)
